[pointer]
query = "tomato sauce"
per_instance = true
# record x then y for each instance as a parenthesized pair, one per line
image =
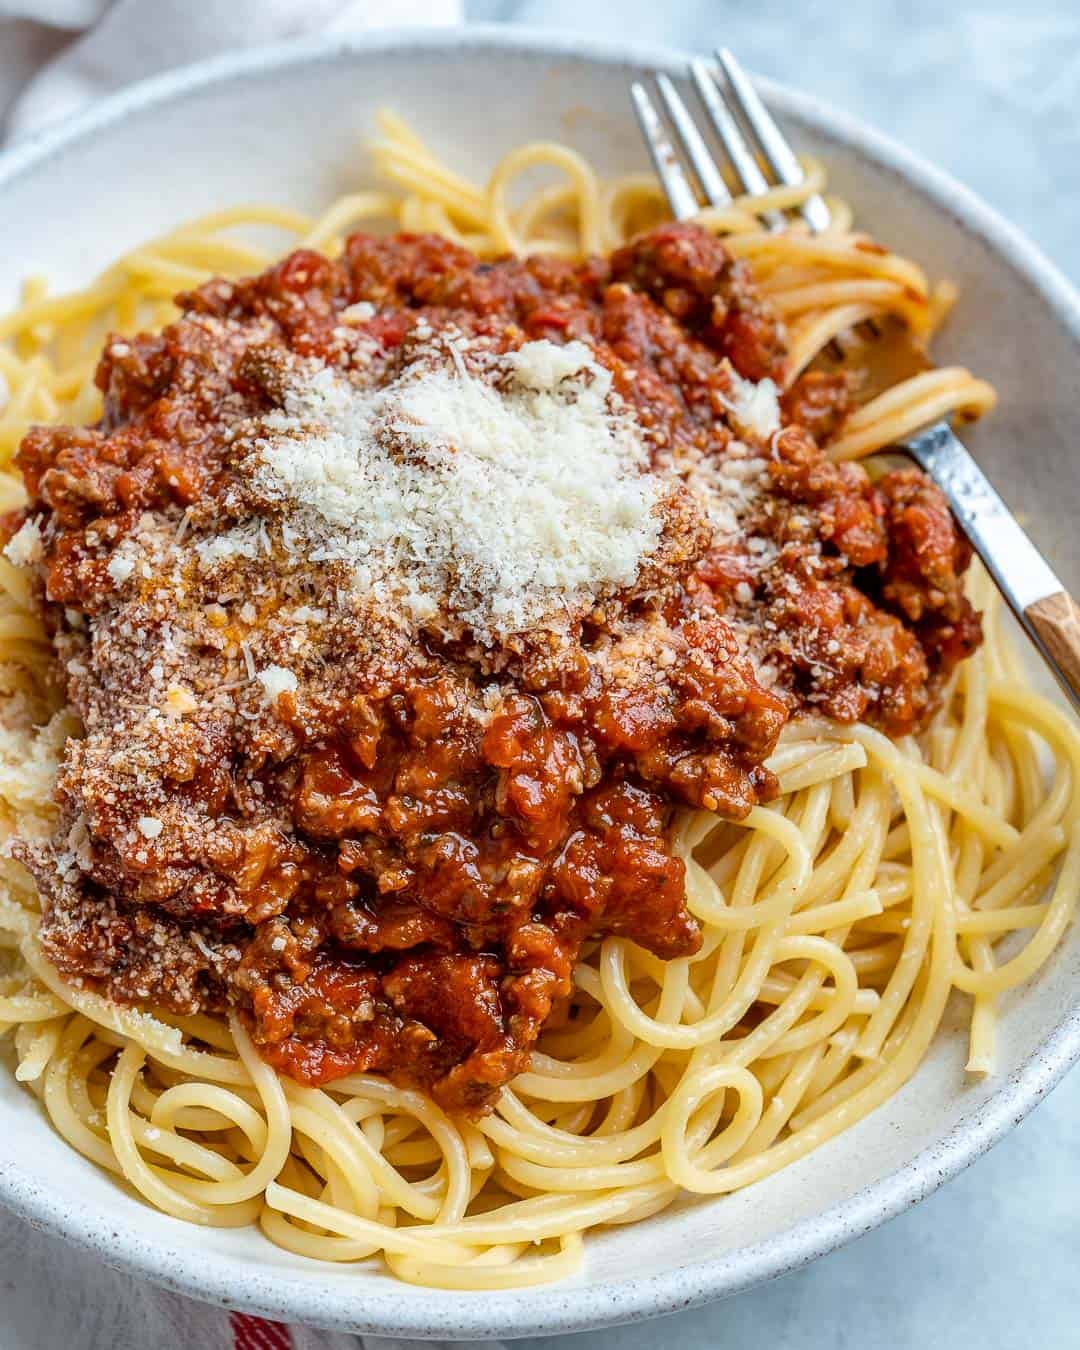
(395, 869)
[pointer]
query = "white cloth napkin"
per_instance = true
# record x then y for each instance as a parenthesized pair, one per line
(55, 57)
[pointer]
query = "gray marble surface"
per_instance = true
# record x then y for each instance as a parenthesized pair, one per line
(990, 91)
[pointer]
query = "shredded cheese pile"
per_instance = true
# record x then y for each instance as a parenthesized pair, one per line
(492, 497)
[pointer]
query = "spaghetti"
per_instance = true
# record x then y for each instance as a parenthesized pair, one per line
(837, 920)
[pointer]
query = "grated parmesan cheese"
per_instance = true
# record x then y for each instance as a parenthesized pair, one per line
(494, 499)
(24, 546)
(275, 680)
(150, 827)
(755, 408)
(244, 541)
(731, 490)
(201, 945)
(119, 569)
(249, 660)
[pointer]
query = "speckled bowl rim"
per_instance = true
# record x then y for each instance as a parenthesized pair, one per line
(573, 1307)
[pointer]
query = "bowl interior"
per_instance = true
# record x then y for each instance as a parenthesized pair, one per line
(289, 128)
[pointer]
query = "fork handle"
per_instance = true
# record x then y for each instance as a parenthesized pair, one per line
(1036, 595)
(1056, 618)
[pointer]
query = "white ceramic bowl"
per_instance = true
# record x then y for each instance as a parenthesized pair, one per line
(287, 125)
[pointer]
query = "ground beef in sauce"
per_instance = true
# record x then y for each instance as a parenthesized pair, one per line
(393, 866)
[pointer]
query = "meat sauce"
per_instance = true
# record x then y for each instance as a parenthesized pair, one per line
(395, 865)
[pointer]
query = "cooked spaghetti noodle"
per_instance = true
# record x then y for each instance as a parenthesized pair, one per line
(837, 920)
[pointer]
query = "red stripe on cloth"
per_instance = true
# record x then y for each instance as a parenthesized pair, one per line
(255, 1333)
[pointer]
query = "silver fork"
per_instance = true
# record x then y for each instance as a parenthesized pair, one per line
(1037, 597)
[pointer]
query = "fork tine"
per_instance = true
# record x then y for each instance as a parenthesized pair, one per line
(746, 166)
(697, 151)
(681, 196)
(773, 144)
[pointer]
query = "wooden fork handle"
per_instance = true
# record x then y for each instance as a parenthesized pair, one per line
(1056, 619)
